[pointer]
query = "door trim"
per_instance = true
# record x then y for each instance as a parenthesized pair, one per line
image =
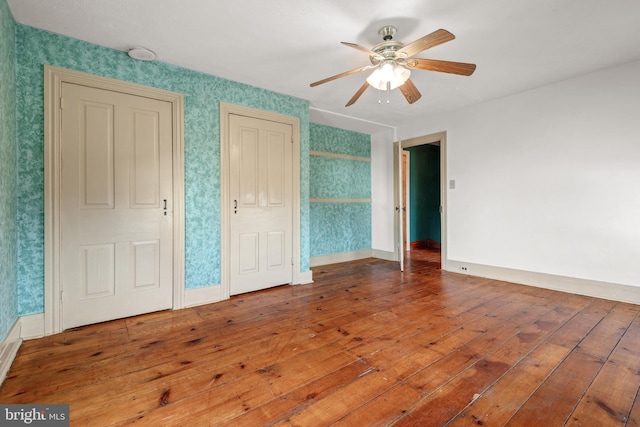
(54, 77)
(440, 137)
(398, 223)
(225, 203)
(406, 175)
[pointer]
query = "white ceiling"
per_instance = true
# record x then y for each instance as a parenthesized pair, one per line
(284, 45)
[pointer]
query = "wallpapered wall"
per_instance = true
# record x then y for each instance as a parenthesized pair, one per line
(341, 225)
(202, 157)
(8, 236)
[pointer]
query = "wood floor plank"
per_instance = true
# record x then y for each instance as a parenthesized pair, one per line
(634, 415)
(501, 319)
(562, 390)
(223, 369)
(442, 402)
(364, 345)
(286, 405)
(610, 397)
(369, 385)
(499, 402)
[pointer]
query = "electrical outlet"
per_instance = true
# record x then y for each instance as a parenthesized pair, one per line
(463, 268)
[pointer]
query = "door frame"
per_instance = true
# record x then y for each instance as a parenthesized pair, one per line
(406, 176)
(227, 110)
(439, 137)
(54, 77)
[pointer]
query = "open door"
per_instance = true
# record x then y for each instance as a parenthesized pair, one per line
(439, 138)
(399, 203)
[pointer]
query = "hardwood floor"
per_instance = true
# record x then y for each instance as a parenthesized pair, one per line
(364, 345)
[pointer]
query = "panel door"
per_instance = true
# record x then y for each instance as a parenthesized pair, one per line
(261, 202)
(116, 199)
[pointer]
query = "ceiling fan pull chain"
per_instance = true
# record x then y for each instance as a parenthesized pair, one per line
(388, 92)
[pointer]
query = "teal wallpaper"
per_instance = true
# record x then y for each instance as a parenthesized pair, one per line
(339, 141)
(342, 225)
(339, 178)
(8, 166)
(202, 155)
(425, 193)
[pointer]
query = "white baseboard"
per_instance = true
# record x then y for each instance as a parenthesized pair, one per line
(386, 255)
(352, 256)
(305, 278)
(201, 296)
(592, 288)
(9, 348)
(341, 257)
(32, 326)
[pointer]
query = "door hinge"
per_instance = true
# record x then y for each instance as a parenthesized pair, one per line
(61, 104)
(292, 261)
(61, 300)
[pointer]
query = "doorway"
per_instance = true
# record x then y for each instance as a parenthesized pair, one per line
(423, 196)
(438, 139)
(122, 146)
(260, 232)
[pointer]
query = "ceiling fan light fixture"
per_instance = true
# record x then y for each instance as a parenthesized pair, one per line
(388, 76)
(393, 62)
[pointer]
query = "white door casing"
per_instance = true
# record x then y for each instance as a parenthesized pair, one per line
(113, 261)
(261, 193)
(399, 202)
(226, 202)
(406, 192)
(436, 138)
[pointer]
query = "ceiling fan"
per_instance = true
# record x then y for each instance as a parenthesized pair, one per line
(393, 62)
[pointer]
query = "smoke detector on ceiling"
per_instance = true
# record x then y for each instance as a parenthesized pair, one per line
(142, 54)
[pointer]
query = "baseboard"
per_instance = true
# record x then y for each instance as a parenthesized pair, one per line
(9, 348)
(592, 288)
(425, 244)
(341, 257)
(305, 278)
(32, 326)
(201, 296)
(351, 256)
(386, 255)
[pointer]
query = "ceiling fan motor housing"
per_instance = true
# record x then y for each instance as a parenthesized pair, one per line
(387, 49)
(387, 32)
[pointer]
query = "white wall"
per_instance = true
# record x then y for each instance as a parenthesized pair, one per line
(547, 180)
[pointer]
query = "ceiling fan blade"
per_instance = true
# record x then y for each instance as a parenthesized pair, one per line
(358, 93)
(430, 40)
(337, 76)
(410, 91)
(364, 49)
(461, 68)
